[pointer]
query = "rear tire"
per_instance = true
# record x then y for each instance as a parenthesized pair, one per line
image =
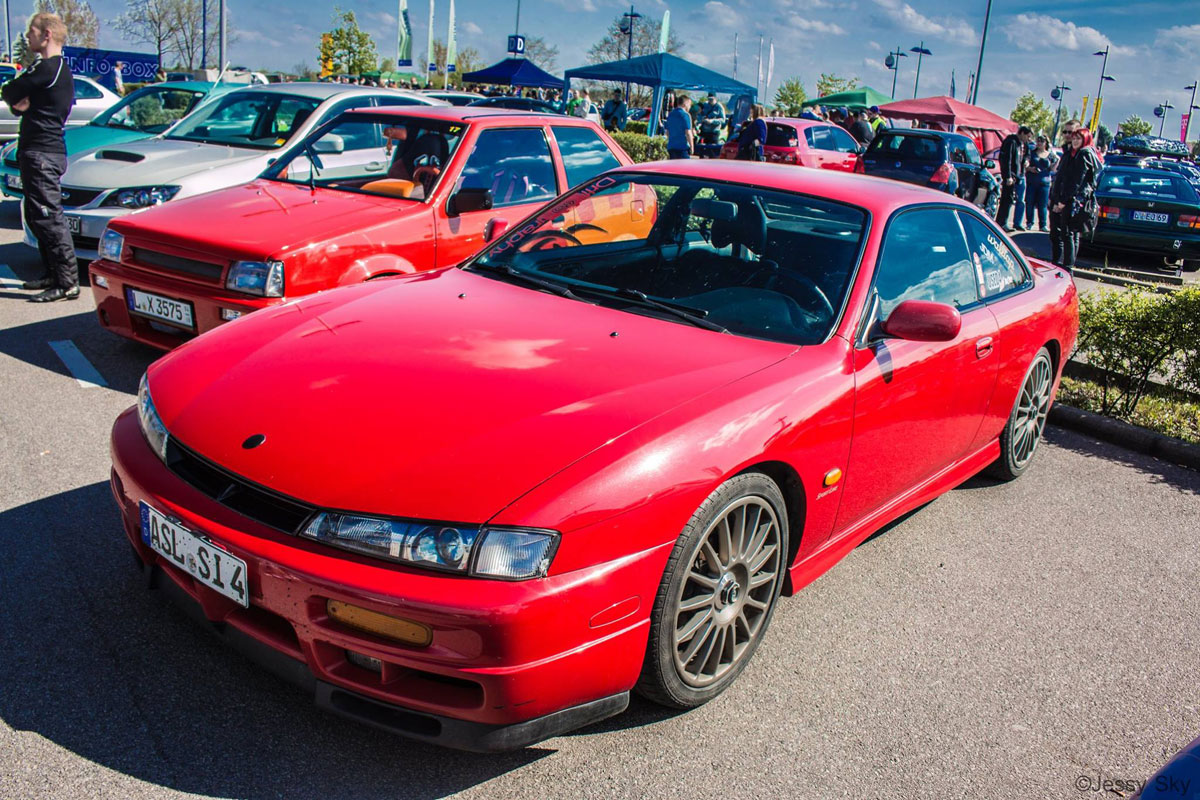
(1023, 432)
(718, 593)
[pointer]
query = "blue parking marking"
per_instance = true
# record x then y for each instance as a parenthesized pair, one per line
(84, 373)
(8, 279)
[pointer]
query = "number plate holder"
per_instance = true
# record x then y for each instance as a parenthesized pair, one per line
(179, 313)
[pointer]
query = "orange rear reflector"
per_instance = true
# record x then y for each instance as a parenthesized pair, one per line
(402, 630)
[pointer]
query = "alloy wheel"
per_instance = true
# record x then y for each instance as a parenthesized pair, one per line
(1030, 416)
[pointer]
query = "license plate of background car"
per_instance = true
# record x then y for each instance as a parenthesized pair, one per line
(217, 569)
(177, 312)
(1150, 216)
(74, 224)
(13, 182)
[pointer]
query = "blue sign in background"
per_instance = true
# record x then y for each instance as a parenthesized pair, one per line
(102, 64)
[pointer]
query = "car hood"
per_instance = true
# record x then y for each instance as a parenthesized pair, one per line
(89, 137)
(265, 218)
(154, 161)
(444, 395)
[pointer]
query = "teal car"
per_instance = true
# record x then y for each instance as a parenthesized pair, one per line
(139, 115)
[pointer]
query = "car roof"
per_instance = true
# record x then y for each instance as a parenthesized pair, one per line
(799, 124)
(320, 91)
(196, 86)
(880, 196)
(477, 113)
(926, 132)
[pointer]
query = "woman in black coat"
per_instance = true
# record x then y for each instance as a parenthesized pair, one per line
(1073, 198)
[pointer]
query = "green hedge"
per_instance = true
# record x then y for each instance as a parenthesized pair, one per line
(641, 147)
(633, 126)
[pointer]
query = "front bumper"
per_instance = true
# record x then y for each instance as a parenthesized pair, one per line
(92, 222)
(207, 301)
(1167, 243)
(509, 664)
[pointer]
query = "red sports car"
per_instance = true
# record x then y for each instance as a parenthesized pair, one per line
(480, 505)
(806, 143)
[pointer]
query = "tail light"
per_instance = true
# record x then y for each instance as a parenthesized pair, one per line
(1188, 221)
(943, 173)
(1110, 212)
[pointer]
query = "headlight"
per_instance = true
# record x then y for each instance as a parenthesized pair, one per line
(256, 277)
(510, 554)
(152, 424)
(111, 245)
(141, 196)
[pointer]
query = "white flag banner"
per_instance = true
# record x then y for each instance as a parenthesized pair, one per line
(451, 45)
(404, 39)
(770, 68)
(664, 36)
(430, 64)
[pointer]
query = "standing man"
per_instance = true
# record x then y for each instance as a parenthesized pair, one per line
(42, 96)
(680, 137)
(118, 78)
(860, 129)
(615, 112)
(1012, 159)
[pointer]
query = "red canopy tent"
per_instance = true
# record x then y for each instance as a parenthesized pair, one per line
(946, 113)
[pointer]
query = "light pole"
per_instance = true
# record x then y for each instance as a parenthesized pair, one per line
(892, 62)
(628, 20)
(203, 33)
(1104, 76)
(1161, 113)
(921, 53)
(1057, 94)
(1192, 107)
(987, 17)
(8, 42)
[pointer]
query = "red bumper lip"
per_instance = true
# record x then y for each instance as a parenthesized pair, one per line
(503, 654)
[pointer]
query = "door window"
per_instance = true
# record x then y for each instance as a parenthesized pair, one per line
(925, 258)
(842, 141)
(85, 91)
(820, 137)
(997, 267)
(514, 163)
(584, 153)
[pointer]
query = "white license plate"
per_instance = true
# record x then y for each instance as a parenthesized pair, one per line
(177, 312)
(1150, 216)
(74, 224)
(14, 182)
(217, 569)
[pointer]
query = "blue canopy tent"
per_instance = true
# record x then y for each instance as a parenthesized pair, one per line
(514, 72)
(660, 71)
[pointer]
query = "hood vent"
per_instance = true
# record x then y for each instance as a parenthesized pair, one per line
(121, 155)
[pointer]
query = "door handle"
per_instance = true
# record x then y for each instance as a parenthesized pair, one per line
(984, 346)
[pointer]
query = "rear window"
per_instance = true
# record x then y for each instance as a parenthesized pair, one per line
(908, 147)
(780, 135)
(1152, 186)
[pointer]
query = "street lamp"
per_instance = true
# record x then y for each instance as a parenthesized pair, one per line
(921, 52)
(1161, 113)
(1191, 108)
(1057, 94)
(987, 17)
(628, 20)
(1104, 76)
(892, 62)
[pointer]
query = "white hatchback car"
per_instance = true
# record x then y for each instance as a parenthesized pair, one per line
(90, 99)
(225, 142)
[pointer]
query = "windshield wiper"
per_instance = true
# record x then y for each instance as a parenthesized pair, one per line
(529, 280)
(696, 316)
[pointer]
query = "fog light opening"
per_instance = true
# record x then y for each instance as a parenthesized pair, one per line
(365, 662)
(228, 314)
(100, 281)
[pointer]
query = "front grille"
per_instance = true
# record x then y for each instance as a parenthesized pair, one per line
(188, 266)
(11, 163)
(73, 198)
(236, 493)
(86, 242)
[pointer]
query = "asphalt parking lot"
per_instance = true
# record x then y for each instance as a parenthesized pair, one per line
(1023, 640)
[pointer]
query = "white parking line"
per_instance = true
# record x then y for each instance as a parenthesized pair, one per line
(8, 280)
(85, 374)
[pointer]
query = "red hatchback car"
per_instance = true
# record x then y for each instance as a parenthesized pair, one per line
(373, 193)
(478, 506)
(806, 143)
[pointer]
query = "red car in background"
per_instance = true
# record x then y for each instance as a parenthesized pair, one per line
(806, 143)
(479, 506)
(376, 192)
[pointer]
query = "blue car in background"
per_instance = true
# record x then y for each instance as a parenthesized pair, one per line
(139, 115)
(946, 162)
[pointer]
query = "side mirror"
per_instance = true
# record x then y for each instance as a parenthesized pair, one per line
(466, 200)
(989, 164)
(923, 321)
(330, 143)
(496, 226)
(862, 150)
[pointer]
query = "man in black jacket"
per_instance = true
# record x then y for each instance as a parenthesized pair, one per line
(1013, 153)
(42, 96)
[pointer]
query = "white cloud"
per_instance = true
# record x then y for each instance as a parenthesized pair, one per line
(805, 25)
(382, 17)
(1181, 40)
(697, 58)
(908, 18)
(1040, 31)
(721, 15)
(472, 28)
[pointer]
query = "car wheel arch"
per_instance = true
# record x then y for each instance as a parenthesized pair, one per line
(795, 498)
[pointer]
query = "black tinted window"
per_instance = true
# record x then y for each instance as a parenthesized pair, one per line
(514, 163)
(997, 268)
(925, 258)
(584, 154)
(842, 141)
(821, 138)
(781, 135)
(85, 91)
(914, 148)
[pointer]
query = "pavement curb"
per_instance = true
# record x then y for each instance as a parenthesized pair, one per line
(1117, 280)
(1123, 434)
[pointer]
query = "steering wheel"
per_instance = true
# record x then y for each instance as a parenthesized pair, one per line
(811, 289)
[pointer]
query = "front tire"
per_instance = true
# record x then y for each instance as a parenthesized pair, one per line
(1023, 432)
(718, 593)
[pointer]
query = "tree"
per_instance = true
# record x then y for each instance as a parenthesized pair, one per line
(83, 28)
(186, 18)
(790, 96)
(1104, 136)
(614, 45)
(387, 65)
(1033, 113)
(1135, 126)
(469, 60)
(540, 53)
(349, 48)
(829, 84)
(147, 22)
(304, 71)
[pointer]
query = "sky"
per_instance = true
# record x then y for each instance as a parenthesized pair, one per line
(1031, 46)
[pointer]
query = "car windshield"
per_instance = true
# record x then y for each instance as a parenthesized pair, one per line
(1155, 186)
(261, 120)
(382, 154)
(907, 147)
(152, 109)
(753, 262)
